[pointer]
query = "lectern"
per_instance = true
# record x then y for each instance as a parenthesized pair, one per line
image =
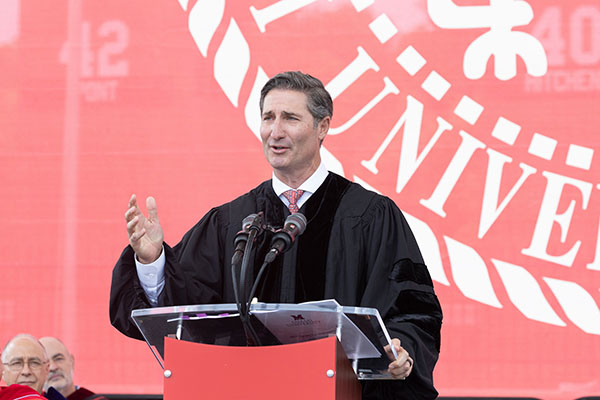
(317, 351)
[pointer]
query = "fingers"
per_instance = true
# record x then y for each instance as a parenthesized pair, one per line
(130, 214)
(136, 235)
(392, 354)
(147, 228)
(400, 367)
(132, 226)
(133, 208)
(151, 207)
(133, 201)
(133, 216)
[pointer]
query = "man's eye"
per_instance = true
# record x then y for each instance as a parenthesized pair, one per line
(35, 363)
(15, 364)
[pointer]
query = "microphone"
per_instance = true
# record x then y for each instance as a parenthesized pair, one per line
(251, 222)
(284, 238)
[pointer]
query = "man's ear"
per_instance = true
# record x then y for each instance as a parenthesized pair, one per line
(323, 127)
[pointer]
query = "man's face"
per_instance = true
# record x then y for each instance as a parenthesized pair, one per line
(30, 355)
(61, 366)
(290, 140)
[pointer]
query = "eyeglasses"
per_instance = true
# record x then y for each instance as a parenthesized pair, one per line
(34, 364)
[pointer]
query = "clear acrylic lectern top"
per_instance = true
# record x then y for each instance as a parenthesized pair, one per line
(360, 330)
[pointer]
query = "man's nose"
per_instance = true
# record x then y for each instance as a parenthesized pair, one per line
(277, 129)
(26, 370)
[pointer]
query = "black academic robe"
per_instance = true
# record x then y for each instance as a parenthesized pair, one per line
(357, 249)
(53, 394)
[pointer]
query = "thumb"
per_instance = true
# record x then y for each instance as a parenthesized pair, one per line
(151, 207)
(395, 343)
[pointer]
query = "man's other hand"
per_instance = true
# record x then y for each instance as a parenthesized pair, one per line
(401, 367)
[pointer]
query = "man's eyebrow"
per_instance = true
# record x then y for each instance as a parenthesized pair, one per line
(57, 355)
(23, 358)
(285, 114)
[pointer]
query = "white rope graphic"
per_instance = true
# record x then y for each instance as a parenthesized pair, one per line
(469, 271)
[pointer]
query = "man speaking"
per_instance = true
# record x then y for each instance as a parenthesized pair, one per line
(357, 247)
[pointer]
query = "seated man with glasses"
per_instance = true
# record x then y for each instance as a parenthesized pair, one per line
(25, 362)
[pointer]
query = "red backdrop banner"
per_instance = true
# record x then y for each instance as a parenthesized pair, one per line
(479, 118)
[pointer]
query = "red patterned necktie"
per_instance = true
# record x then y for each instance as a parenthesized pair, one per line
(293, 196)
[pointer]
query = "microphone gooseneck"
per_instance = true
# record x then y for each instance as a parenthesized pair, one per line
(252, 227)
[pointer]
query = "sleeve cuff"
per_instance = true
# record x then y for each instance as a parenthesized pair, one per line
(152, 277)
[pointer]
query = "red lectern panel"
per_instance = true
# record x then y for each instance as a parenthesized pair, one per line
(294, 372)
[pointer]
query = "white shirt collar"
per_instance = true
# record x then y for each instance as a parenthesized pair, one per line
(309, 186)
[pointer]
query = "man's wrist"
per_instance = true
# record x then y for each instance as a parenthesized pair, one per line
(145, 261)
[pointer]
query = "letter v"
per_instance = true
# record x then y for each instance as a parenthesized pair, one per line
(490, 210)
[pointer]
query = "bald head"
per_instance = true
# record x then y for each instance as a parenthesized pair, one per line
(25, 362)
(61, 366)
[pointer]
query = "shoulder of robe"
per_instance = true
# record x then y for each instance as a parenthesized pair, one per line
(361, 202)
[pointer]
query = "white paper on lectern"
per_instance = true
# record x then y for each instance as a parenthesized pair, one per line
(294, 327)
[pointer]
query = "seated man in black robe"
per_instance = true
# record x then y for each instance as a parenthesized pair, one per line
(357, 248)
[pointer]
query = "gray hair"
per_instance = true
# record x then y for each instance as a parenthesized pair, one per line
(319, 102)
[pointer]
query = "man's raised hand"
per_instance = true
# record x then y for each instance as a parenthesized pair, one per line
(145, 233)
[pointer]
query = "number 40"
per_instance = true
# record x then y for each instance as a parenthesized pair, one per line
(583, 35)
